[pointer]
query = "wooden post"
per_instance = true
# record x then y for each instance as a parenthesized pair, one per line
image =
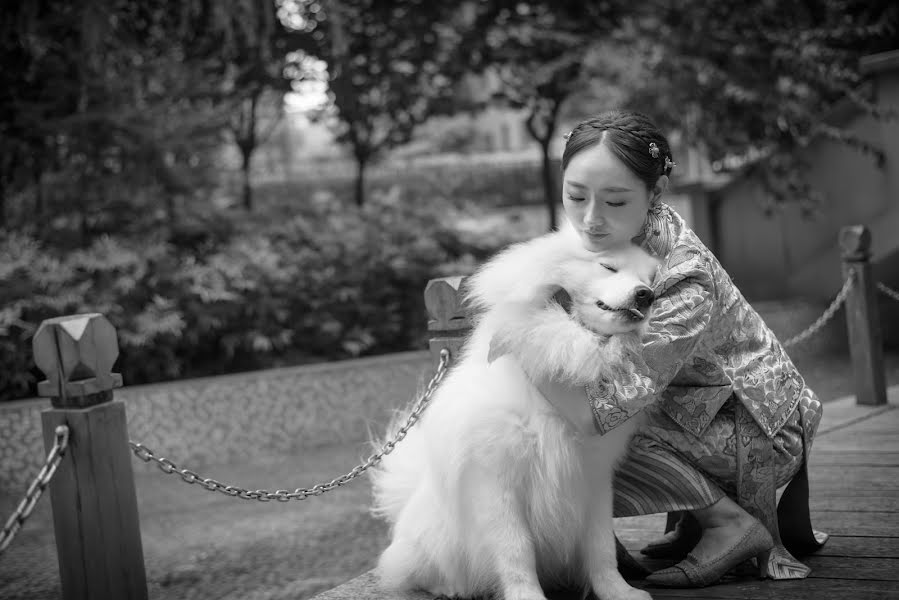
(449, 323)
(862, 320)
(94, 501)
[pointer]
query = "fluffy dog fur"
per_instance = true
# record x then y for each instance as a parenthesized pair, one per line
(495, 491)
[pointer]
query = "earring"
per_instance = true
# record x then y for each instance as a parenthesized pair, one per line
(655, 234)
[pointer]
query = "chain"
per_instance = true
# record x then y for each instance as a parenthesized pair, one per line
(888, 291)
(824, 318)
(23, 511)
(167, 466)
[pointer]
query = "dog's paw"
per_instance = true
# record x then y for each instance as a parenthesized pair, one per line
(635, 594)
(524, 595)
(624, 592)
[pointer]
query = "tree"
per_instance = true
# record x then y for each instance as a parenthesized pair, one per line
(746, 80)
(260, 59)
(391, 65)
(540, 52)
(738, 79)
(542, 84)
(115, 96)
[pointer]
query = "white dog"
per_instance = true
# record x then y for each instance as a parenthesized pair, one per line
(495, 490)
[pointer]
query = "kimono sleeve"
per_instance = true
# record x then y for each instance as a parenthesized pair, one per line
(681, 314)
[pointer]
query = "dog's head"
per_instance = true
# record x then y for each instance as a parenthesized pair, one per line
(610, 293)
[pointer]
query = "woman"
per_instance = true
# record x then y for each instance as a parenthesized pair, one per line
(729, 419)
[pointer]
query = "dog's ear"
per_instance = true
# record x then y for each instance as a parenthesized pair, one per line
(564, 299)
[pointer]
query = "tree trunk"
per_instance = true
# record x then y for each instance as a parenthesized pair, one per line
(170, 210)
(84, 202)
(245, 136)
(7, 168)
(39, 200)
(360, 181)
(2, 204)
(550, 195)
(85, 229)
(546, 112)
(245, 171)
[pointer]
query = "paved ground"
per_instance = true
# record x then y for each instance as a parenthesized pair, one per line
(204, 545)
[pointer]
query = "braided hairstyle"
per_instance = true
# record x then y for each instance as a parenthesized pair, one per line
(628, 136)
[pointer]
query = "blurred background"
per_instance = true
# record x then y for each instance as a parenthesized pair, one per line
(259, 183)
(253, 184)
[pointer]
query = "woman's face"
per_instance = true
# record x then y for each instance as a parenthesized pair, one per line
(604, 201)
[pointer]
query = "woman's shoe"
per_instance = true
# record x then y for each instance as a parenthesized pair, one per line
(691, 573)
(676, 543)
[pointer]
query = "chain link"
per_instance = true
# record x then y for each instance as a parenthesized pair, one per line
(825, 317)
(888, 291)
(167, 466)
(23, 511)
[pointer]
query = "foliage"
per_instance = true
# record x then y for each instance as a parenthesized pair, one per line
(538, 52)
(137, 93)
(261, 62)
(383, 79)
(747, 78)
(737, 79)
(321, 284)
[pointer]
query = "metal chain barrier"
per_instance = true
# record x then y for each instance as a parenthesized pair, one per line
(23, 511)
(167, 466)
(828, 314)
(888, 291)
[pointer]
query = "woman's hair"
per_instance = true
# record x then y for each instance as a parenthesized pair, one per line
(628, 136)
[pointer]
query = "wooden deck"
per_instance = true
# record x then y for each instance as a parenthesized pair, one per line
(855, 497)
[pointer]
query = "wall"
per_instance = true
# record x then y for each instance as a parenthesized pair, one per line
(789, 254)
(220, 420)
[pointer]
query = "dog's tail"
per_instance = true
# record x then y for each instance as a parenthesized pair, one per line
(396, 477)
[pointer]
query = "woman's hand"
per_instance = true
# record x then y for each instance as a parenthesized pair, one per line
(571, 402)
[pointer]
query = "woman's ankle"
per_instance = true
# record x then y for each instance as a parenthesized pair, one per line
(724, 513)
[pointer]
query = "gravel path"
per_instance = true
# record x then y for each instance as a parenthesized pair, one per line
(199, 544)
(202, 545)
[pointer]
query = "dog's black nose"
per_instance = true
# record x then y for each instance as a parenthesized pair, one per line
(643, 297)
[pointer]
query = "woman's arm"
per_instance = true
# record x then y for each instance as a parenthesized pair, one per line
(681, 314)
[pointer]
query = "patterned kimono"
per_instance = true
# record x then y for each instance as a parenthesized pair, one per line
(726, 410)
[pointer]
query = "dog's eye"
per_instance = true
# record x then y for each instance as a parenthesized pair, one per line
(609, 267)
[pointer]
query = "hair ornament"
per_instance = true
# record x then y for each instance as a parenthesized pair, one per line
(669, 164)
(567, 135)
(653, 149)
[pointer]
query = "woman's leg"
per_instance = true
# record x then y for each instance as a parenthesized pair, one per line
(654, 478)
(671, 470)
(757, 482)
(722, 523)
(682, 532)
(730, 536)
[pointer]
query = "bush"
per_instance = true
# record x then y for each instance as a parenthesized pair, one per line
(323, 282)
